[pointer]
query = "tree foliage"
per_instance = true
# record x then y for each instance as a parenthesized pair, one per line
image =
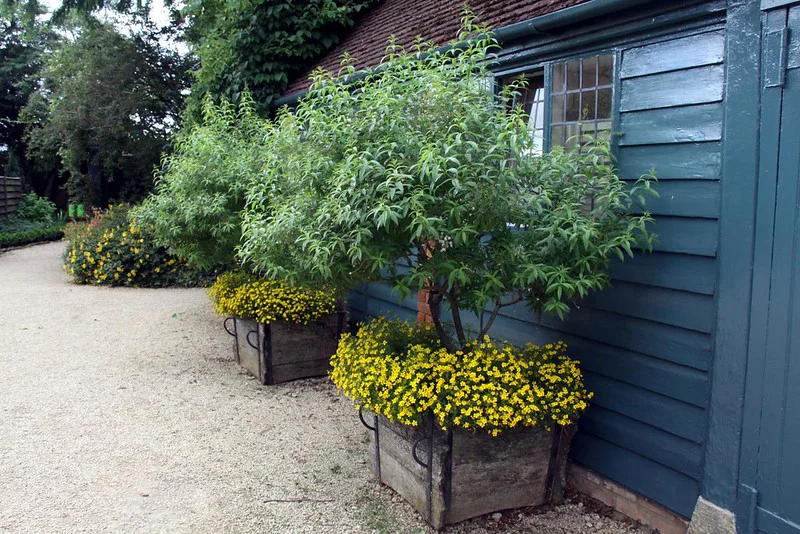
(261, 44)
(22, 45)
(111, 102)
(200, 188)
(421, 177)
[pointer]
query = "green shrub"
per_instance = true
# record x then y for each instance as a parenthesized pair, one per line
(35, 220)
(112, 250)
(200, 188)
(33, 235)
(35, 209)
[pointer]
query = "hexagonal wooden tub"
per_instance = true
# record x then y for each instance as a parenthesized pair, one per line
(280, 352)
(456, 475)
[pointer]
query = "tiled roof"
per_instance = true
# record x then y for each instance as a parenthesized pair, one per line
(436, 20)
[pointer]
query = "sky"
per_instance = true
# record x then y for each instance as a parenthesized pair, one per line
(158, 13)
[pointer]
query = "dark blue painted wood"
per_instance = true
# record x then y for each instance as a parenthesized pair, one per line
(773, 384)
(675, 54)
(688, 161)
(694, 86)
(666, 378)
(696, 274)
(686, 198)
(687, 236)
(687, 124)
(661, 484)
(673, 416)
(793, 58)
(669, 343)
(680, 382)
(740, 131)
(667, 449)
(378, 307)
(677, 308)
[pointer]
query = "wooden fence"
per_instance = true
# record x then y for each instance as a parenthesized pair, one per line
(10, 195)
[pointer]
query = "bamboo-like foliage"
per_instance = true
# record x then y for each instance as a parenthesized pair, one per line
(420, 176)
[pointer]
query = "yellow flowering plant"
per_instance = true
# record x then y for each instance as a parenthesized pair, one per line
(244, 295)
(403, 372)
(112, 250)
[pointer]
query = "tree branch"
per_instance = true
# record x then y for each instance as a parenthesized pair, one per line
(452, 298)
(497, 306)
(434, 301)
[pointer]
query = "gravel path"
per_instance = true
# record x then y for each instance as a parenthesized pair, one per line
(121, 410)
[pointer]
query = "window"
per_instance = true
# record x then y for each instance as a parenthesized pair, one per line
(580, 95)
(532, 99)
(581, 99)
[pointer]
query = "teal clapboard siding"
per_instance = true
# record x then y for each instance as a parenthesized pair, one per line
(645, 343)
(650, 409)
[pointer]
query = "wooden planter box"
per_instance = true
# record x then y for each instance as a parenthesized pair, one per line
(452, 476)
(280, 352)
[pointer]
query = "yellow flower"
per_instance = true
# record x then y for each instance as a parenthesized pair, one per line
(401, 371)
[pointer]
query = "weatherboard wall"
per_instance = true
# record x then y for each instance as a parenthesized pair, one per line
(645, 343)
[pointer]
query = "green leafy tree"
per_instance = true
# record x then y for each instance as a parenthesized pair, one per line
(22, 45)
(108, 102)
(421, 177)
(200, 188)
(261, 44)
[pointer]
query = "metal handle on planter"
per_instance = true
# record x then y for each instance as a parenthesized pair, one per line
(363, 422)
(414, 450)
(249, 341)
(377, 433)
(225, 326)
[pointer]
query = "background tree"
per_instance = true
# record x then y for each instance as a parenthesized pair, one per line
(24, 41)
(261, 45)
(108, 103)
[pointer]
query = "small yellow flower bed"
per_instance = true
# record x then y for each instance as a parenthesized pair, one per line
(239, 294)
(112, 250)
(401, 371)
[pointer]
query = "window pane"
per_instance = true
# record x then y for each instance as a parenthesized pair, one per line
(573, 106)
(558, 109)
(589, 76)
(557, 136)
(588, 105)
(606, 70)
(573, 75)
(604, 104)
(585, 109)
(573, 133)
(530, 100)
(604, 131)
(537, 115)
(558, 78)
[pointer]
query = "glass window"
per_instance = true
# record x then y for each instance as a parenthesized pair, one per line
(531, 98)
(582, 99)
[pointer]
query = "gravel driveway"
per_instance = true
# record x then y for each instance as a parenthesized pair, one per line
(121, 410)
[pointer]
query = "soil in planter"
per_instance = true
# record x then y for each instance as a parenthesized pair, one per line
(279, 352)
(470, 474)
